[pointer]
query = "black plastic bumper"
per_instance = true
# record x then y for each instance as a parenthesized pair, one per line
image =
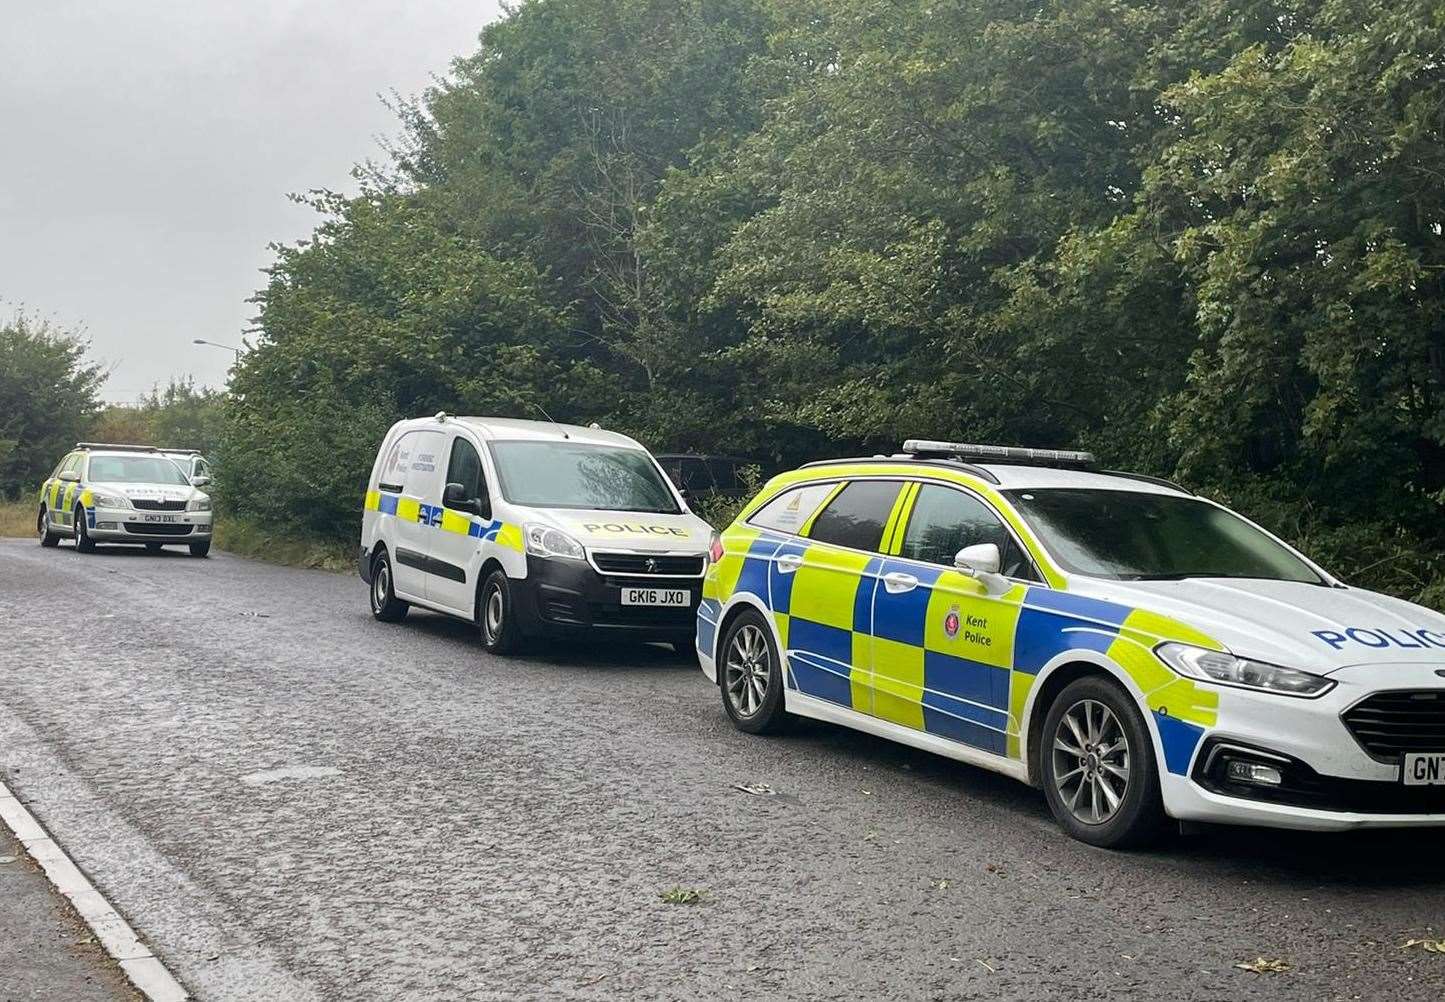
(568, 596)
(363, 564)
(1302, 786)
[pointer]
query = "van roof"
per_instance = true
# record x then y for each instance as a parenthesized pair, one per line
(497, 428)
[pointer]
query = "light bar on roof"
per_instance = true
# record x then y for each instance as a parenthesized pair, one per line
(998, 453)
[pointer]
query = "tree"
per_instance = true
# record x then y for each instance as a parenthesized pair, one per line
(48, 396)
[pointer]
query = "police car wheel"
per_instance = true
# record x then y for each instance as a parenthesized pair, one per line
(752, 676)
(83, 542)
(495, 616)
(201, 549)
(153, 547)
(385, 606)
(1099, 772)
(42, 527)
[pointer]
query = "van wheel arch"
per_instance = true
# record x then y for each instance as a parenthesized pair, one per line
(488, 566)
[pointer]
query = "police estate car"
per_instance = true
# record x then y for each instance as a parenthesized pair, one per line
(123, 494)
(528, 528)
(1135, 650)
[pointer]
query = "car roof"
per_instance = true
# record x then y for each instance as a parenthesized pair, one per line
(515, 429)
(1003, 476)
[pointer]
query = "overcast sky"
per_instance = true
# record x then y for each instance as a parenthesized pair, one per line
(147, 148)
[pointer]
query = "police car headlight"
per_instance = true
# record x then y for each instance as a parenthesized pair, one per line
(198, 504)
(545, 541)
(1226, 669)
(104, 500)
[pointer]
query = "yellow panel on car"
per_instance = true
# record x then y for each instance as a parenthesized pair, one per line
(827, 585)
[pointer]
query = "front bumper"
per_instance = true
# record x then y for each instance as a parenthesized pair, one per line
(568, 596)
(127, 525)
(1330, 781)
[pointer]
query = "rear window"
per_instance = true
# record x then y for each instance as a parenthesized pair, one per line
(855, 518)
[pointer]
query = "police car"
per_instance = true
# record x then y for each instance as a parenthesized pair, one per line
(529, 528)
(1135, 650)
(103, 493)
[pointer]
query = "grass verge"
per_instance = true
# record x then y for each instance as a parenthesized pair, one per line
(17, 518)
(246, 538)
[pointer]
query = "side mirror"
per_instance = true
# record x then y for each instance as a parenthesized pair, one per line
(455, 498)
(70, 476)
(200, 480)
(982, 558)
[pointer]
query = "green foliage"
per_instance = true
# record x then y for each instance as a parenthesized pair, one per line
(48, 395)
(1201, 239)
(181, 416)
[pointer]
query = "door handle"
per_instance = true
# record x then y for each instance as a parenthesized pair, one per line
(789, 562)
(898, 582)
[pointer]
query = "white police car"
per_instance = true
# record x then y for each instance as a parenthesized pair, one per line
(103, 493)
(1135, 650)
(529, 528)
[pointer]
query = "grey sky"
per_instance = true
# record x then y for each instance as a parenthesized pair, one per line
(147, 146)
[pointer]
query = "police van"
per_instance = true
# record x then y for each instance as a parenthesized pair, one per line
(530, 528)
(1135, 650)
(133, 494)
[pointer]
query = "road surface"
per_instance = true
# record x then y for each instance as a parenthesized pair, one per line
(291, 801)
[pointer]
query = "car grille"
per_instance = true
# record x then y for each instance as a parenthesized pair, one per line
(1389, 724)
(641, 563)
(158, 528)
(143, 504)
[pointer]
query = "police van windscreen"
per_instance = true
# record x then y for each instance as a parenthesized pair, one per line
(575, 475)
(135, 470)
(1137, 536)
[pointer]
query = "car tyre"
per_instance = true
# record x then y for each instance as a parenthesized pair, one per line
(83, 542)
(385, 606)
(497, 615)
(750, 675)
(48, 536)
(1099, 772)
(199, 549)
(153, 547)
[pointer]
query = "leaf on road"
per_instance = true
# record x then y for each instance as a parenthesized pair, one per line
(756, 789)
(1428, 945)
(681, 896)
(1262, 965)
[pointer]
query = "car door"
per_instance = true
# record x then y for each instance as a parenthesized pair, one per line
(418, 458)
(457, 538)
(942, 642)
(830, 603)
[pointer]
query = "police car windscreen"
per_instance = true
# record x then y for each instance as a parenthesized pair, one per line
(135, 470)
(1136, 536)
(575, 475)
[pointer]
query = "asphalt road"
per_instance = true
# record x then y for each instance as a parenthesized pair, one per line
(291, 801)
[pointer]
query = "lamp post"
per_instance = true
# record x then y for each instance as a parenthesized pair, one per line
(217, 344)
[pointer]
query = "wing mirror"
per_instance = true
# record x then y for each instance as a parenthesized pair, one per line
(200, 480)
(70, 476)
(455, 498)
(981, 562)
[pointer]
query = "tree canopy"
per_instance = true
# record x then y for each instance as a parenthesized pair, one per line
(1201, 239)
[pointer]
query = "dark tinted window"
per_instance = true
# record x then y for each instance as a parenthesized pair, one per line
(695, 476)
(1141, 536)
(465, 468)
(856, 516)
(944, 521)
(725, 474)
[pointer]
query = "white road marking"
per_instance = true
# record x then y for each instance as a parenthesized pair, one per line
(144, 969)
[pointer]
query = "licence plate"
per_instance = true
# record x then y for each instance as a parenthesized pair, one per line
(1424, 769)
(159, 518)
(656, 596)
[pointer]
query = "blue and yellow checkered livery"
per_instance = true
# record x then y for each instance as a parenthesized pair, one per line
(946, 657)
(445, 520)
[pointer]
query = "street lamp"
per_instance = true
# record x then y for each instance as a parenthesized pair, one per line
(216, 344)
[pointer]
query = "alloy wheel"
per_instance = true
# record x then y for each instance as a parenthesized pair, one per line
(747, 673)
(1091, 762)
